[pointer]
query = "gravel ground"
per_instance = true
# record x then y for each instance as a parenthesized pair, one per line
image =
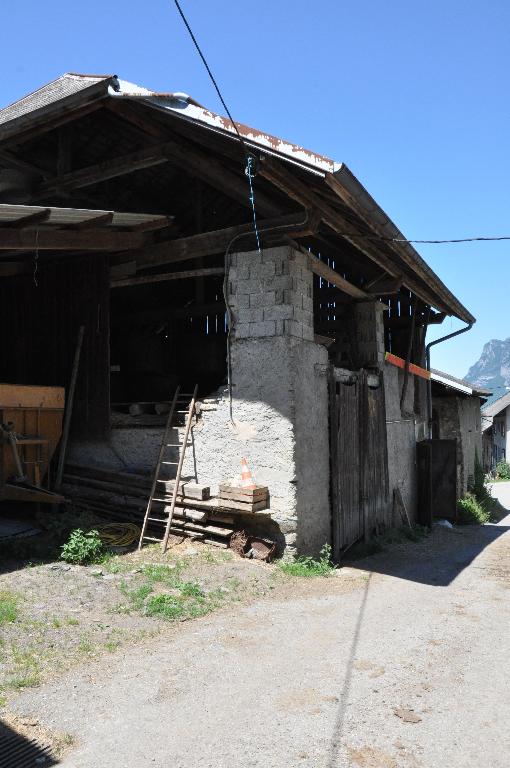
(399, 661)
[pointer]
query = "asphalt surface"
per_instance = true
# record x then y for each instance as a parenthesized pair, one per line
(404, 664)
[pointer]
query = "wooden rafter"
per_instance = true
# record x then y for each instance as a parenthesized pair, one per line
(185, 274)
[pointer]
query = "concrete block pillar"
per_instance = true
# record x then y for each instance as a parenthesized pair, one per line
(369, 324)
(270, 294)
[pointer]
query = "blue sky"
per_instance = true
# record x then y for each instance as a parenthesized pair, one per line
(413, 97)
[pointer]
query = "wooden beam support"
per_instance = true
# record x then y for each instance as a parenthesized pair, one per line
(98, 221)
(387, 287)
(32, 220)
(147, 279)
(211, 243)
(297, 189)
(69, 240)
(322, 269)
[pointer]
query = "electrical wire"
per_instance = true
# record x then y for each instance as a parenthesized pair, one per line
(380, 238)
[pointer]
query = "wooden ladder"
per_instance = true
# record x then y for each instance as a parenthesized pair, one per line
(163, 497)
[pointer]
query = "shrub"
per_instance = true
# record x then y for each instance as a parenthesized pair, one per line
(503, 470)
(307, 566)
(471, 510)
(82, 547)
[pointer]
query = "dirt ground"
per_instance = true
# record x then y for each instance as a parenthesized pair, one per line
(400, 660)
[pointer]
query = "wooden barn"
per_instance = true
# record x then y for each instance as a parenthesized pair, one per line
(129, 213)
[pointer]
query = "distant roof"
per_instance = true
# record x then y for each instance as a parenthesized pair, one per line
(461, 385)
(72, 89)
(496, 407)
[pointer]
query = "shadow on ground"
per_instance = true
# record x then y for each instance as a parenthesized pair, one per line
(16, 751)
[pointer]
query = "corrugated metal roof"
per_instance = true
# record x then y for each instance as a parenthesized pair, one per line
(494, 408)
(461, 385)
(10, 214)
(64, 86)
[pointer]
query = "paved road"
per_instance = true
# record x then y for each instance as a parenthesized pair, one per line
(314, 682)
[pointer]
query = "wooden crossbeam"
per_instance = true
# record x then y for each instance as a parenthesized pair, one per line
(322, 269)
(211, 243)
(147, 279)
(69, 240)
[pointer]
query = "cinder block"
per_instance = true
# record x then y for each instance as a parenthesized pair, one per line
(265, 328)
(242, 331)
(253, 285)
(280, 253)
(260, 271)
(279, 327)
(249, 259)
(249, 315)
(293, 328)
(279, 312)
(294, 270)
(242, 300)
(279, 283)
(308, 333)
(294, 298)
(262, 299)
(303, 316)
(308, 303)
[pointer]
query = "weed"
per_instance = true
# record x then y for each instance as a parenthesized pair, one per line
(26, 669)
(163, 573)
(112, 645)
(9, 602)
(136, 597)
(72, 622)
(82, 547)
(85, 646)
(307, 566)
(471, 510)
(190, 589)
(3, 701)
(166, 606)
(503, 470)
(56, 623)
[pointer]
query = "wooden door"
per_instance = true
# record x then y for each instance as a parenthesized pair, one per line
(359, 457)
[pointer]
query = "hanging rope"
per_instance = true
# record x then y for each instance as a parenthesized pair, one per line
(36, 257)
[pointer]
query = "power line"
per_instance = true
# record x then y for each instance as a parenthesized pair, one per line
(250, 160)
(427, 242)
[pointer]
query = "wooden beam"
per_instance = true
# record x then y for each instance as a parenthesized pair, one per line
(211, 243)
(387, 287)
(322, 269)
(108, 169)
(46, 119)
(198, 162)
(69, 240)
(146, 279)
(31, 220)
(13, 162)
(297, 189)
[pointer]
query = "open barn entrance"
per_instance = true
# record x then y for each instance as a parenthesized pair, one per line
(164, 333)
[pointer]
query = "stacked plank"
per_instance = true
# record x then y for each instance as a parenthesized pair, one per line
(124, 496)
(243, 499)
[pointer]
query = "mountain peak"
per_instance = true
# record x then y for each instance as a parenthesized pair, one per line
(492, 370)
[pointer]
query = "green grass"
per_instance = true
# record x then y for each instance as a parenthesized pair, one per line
(9, 607)
(308, 567)
(26, 669)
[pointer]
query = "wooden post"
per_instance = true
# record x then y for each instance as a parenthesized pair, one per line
(69, 410)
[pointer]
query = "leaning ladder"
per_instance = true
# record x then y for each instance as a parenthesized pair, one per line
(178, 400)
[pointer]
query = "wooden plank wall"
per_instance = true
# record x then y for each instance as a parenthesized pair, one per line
(39, 328)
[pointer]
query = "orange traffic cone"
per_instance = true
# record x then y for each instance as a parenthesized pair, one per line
(246, 478)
